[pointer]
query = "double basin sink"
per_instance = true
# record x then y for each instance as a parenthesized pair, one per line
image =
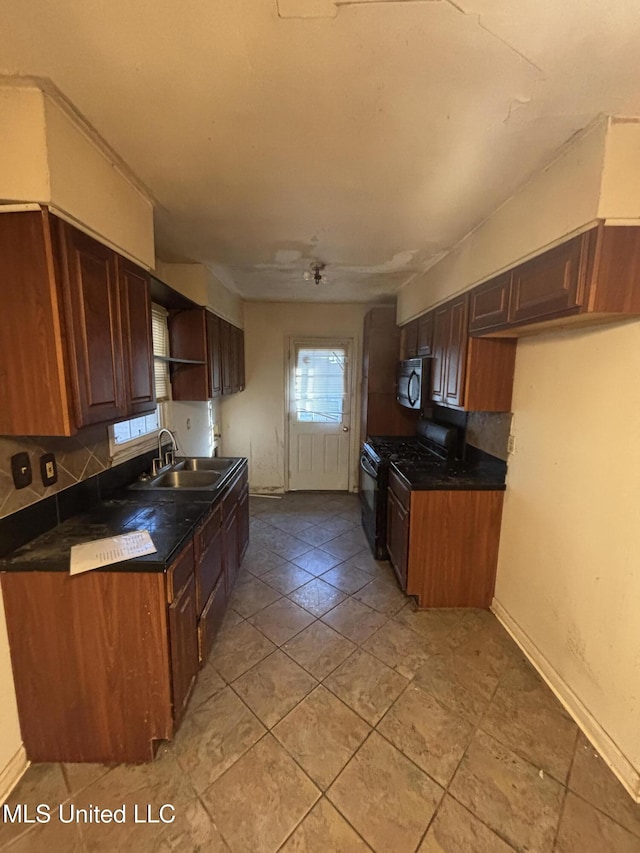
(191, 474)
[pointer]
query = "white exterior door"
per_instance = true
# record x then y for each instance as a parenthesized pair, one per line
(319, 414)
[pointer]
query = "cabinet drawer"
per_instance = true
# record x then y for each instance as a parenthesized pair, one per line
(211, 619)
(489, 304)
(208, 570)
(207, 530)
(401, 491)
(180, 571)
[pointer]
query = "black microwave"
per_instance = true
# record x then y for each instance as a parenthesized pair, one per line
(413, 383)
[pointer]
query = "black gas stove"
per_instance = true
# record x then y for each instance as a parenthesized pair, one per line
(431, 447)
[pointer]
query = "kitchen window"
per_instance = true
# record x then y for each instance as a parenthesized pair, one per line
(137, 435)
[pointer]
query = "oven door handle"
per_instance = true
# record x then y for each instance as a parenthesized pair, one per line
(366, 467)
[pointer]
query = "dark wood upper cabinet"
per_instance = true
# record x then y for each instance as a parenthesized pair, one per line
(489, 303)
(380, 413)
(425, 334)
(409, 340)
(551, 284)
(137, 341)
(240, 362)
(591, 278)
(229, 357)
(92, 313)
(201, 336)
(473, 374)
(75, 341)
(214, 350)
(449, 350)
(188, 334)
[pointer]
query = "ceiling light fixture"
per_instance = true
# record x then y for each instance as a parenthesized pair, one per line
(315, 273)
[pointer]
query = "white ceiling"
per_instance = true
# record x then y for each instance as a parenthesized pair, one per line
(371, 137)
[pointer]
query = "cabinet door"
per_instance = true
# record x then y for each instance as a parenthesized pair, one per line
(92, 310)
(441, 335)
(398, 537)
(230, 548)
(242, 511)
(211, 619)
(228, 357)
(137, 342)
(489, 304)
(214, 354)
(209, 570)
(425, 334)
(183, 629)
(409, 340)
(240, 359)
(456, 358)
(549, 285)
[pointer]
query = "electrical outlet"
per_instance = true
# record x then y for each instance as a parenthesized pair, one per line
(511, 444)
(21, 470)
(48, 469)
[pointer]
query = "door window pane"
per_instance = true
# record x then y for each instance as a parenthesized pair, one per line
(320, 384)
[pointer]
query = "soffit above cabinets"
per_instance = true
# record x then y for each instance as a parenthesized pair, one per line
(371, 140)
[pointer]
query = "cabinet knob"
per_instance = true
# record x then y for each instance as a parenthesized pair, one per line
(345, 429)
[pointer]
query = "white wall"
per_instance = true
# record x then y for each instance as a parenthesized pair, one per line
(198, 283)
(24, 170)
(87, 185)
(555, 203)
(568, 581)
(569, 568)
(50, 156)
(253, 422)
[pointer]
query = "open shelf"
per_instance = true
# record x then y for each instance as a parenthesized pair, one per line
(169, 360)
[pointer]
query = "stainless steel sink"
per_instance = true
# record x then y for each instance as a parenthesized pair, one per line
(203, 463)
(191, 474)
(186, 480)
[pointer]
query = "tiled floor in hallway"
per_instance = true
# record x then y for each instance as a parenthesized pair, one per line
(334, 717)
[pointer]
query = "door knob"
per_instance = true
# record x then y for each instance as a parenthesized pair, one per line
(345, 429)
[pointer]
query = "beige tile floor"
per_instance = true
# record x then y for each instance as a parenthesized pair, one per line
(334, 717)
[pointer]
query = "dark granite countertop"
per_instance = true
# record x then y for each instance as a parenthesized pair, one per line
(484, 473)
(170, 519)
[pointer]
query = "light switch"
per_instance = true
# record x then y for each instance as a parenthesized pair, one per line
(21, 470)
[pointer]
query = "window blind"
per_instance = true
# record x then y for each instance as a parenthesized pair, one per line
(160, 333)
(320, 384)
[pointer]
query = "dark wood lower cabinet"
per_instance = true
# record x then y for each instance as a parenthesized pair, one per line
(243, 523)
(398, 537)
(211, 618)
(183, 641)
(443, 544)
(104, 663)
(91, 664)
(453, 547)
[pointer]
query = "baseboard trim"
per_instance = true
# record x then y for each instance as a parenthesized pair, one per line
(12, 773)
(607, 749)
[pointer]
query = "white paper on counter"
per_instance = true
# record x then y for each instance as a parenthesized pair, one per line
(113, 549)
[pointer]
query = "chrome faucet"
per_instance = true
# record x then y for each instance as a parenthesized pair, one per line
(160, 462)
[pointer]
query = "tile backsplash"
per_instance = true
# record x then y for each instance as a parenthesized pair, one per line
(77, 458)
(489, 431)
